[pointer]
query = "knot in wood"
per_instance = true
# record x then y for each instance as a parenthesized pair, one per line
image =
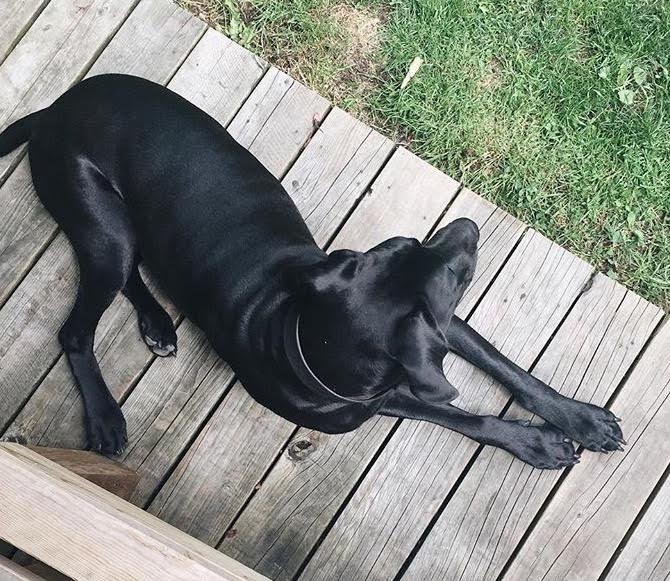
(300, 449)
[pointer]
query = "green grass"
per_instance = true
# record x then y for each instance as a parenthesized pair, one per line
(557, 110)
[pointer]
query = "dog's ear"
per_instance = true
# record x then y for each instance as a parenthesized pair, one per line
(422, 347)
(332, 275)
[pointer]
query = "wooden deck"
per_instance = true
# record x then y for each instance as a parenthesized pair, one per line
(395, 499)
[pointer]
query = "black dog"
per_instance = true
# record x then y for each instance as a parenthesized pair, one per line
(133, 172)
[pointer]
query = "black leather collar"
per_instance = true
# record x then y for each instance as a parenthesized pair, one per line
(299, 365)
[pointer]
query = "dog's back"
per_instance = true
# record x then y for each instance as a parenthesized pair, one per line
(207, 213)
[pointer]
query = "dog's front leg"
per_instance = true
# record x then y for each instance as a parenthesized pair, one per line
(540, 446)
(594, 427)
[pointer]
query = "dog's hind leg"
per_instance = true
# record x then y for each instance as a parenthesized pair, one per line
(95, 220)
(540, 446)
(594, 427)
(155, 324)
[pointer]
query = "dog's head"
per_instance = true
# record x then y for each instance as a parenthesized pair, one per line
(371, 319)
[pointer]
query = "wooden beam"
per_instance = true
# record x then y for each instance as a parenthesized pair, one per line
(15, 19)
(88, 533)
(104, 472)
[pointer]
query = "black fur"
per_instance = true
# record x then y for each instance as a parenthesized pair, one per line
(133, 172)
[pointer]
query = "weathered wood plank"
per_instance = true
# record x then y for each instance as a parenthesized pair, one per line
(29, 228)
(278, 97)
(590, 513)
(15, 19)
(395, 502)
(226, 476)
(216, 74)
(155, 453)
(101, 471)
(498, 499)
(334, 171)
(168, 407)
(152, 43)
(52, 55)
(88, 533)
(10, 571)
(408, 187)
(646, 555)
(302, 493)
(221, 467)
(166, 34)
(28, 325)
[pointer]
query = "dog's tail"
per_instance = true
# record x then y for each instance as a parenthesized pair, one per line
(17, 133)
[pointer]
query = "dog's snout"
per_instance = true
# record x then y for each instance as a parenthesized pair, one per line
(466, 228)
(462, 234)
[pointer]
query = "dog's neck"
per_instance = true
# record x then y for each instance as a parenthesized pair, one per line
(301, 368)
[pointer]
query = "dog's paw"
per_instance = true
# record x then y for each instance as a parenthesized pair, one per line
(543, 447)
(597, 429)
(158, 333)
(106, 431)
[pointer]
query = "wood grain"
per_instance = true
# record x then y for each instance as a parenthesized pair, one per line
(334, 171)
(54, 53)
(217, 74)
(88, 533)
(646, 555)
(407, 187)
(164, 33)
(101, 471)
(152, 43)
(498, 499)
(405, 487)
(302, 493)
(590, 513)
(276, 119)
(168, 407)
(15, 19)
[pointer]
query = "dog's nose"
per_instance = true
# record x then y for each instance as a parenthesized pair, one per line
(461, 233)
(466, 227)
